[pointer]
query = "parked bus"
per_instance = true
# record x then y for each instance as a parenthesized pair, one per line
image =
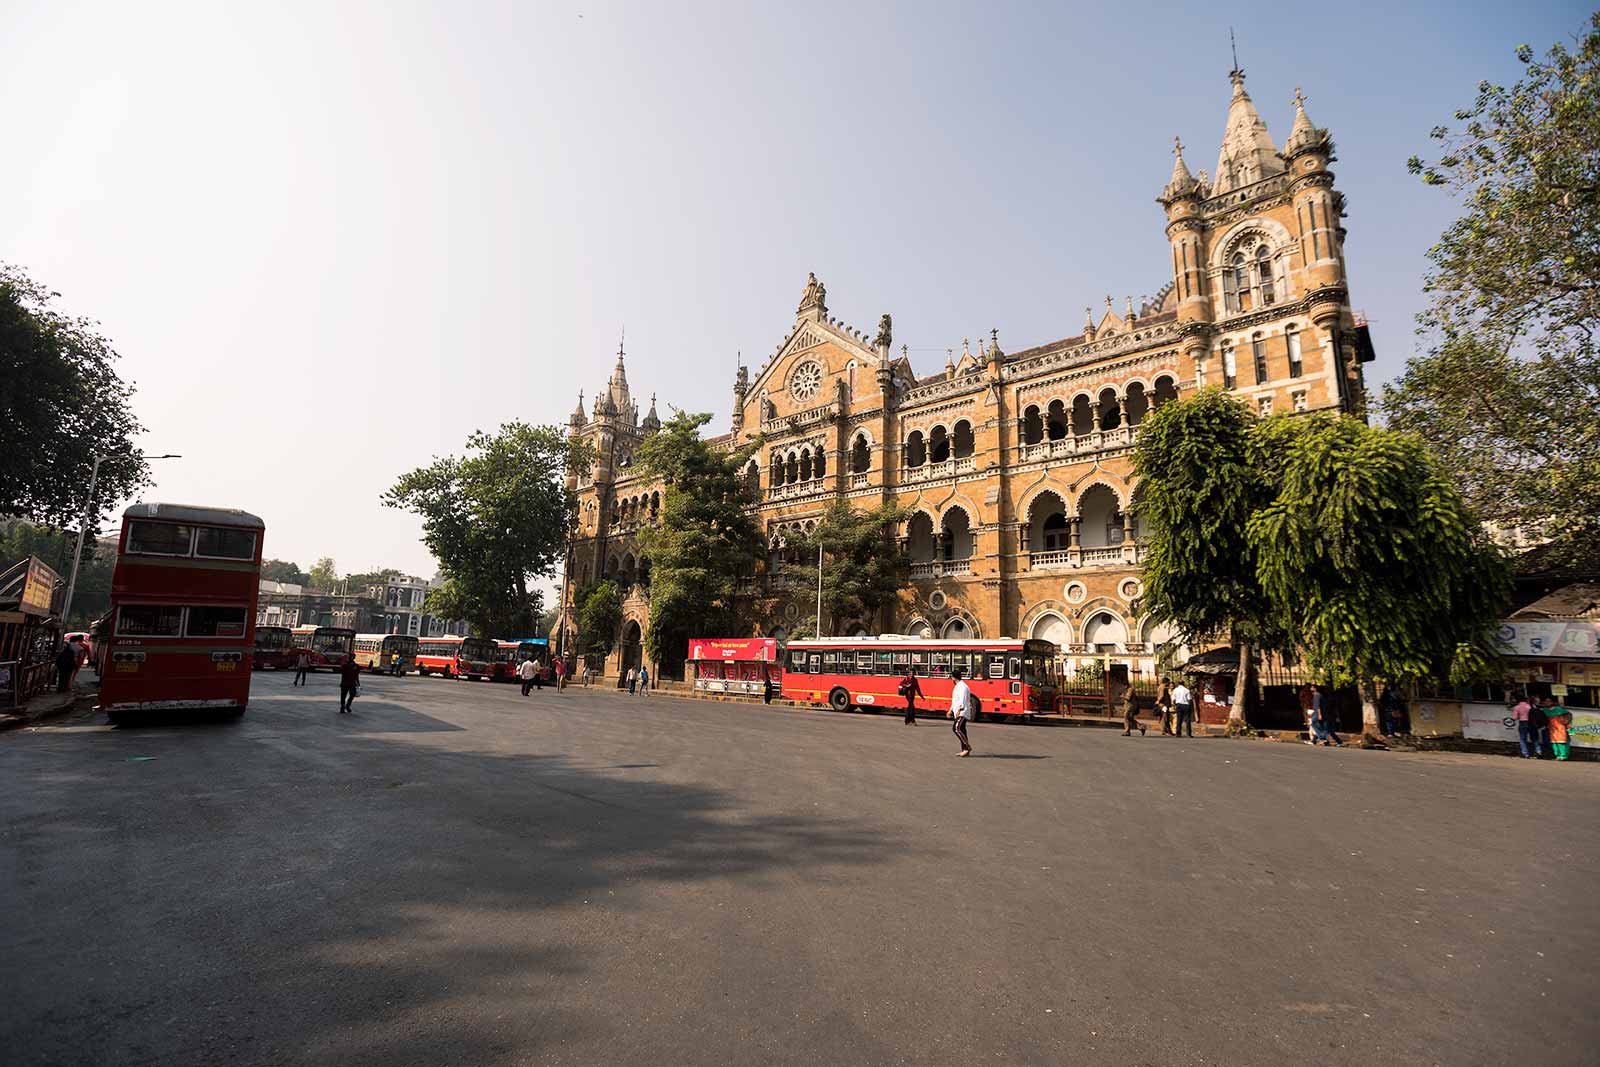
(386, 653)
(181, 631)
(456, 657)
(329, 645)
(735, 665)
(1008, 678)
(274, 649)
(510, 654)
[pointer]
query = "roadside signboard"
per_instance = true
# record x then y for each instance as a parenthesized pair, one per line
(1573, 639)
(39, 588)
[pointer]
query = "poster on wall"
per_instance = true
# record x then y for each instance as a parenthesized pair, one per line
(1488, 722)
(1576, 639)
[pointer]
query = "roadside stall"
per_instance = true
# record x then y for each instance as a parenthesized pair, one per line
(1553, 649)
(735, 665)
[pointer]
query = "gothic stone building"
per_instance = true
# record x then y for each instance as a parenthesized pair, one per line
(1016, 467)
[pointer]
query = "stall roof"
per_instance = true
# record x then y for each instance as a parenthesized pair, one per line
(1580, 600)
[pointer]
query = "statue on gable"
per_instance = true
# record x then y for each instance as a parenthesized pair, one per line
(885, 336)
(816, 295)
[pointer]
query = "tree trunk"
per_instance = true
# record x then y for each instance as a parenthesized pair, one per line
(1371, 732)
(1241, 689)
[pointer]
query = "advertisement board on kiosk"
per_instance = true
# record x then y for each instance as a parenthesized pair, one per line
(1559, 658)
(734, 665)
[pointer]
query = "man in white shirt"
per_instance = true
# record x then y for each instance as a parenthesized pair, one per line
(527, 671)
(961, 710)
(1183, 710)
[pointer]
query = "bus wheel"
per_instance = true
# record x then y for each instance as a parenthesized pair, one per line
(839, 700)
(977, 711)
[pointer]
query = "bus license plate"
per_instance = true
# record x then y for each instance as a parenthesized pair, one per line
(127, 668)
(225, 665)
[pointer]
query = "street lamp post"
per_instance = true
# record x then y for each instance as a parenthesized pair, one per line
(819, 590)
(77, 551)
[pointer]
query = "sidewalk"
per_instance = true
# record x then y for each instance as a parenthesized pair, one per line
(47, 705)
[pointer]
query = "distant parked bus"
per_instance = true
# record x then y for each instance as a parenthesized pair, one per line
(181, 630)
(1007, 677)
(456, 657)
(274, 649)
(510, 654)
(386, 653)
(329, 645)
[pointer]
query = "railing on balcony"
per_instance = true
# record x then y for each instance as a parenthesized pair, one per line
(944, 469)
(858, 481)
(940, 568)
(793, 489)
(1038, 561)
(1081, 445)
(1100, 556)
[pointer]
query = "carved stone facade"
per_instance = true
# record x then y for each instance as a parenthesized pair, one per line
(1016, 468)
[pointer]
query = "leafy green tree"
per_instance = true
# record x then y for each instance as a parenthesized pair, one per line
(862, 568)
(324, 574)
(277, 570)
(1376, 565)
(1199, 484)
(599, 617)
(1508, 390)
(61, 404)
(706, 536)
(496, 519)
(360, 583)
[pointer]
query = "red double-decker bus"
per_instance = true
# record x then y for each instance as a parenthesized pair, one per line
(181, 630)
(274, 649)
(457, 657)
(1008, 678)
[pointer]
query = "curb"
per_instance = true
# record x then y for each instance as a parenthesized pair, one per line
(41, 709)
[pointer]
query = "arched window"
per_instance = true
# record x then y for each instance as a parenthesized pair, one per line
(791, 468)
(1238, 281)
(805, 464)
(752, 479)
(1264, 274)
(1047, 523)
(1110, 416)
(1166, 389)
(938, 445)
(1291, 334)
(1137, 403)
(1258, 352)
(1056, 421)
(776, 477)
(963, 440)
(860, 455)
(655, 498)
(1032, 425)
(1230, 367)
(1082, 415)
(819, 466)
(956, 535)
(916, 451)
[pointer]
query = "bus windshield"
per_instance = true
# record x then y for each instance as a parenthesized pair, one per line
(271, 637)
(478, 648)
(331, 641)
(1039, 670)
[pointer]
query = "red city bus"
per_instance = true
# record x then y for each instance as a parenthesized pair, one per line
(329, 645)
(456, 657)
(1007, 677)
(181, 630)
(510, 654)
(274, 651)
(734, 665)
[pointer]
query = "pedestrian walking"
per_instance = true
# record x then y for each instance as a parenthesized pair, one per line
(1539, 719)
(1560, 720)
(1391, 710)
(1527, 728)
(1164, 707)
(82, 648)
(960, 710)
(349, 684)
(66, 666)
(633, 678)
(767, 687)
(1182, 710)
(527, 671)
(644, 680)
(911, 690)
(561, 676)
(1321, 716)
(1130, 713)
(302, 665)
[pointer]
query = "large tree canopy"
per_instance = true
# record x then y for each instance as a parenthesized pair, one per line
(706, 537)
(1376, 565)
(861, 568)
(599, 617)
(496, 519)
(1508, 390)
(61, 404)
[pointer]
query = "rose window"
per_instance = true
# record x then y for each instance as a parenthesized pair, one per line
(805, 382)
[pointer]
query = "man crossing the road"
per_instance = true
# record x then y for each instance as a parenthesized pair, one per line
(961, 710)
(527, 671)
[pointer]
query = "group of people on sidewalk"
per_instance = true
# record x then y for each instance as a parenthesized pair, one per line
(532, 675)
(1546, 720)
(637, 680)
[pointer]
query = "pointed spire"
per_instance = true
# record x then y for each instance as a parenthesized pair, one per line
(617, 388)
(1182, 183)
(1248, 154)
(652, 421)
(994, 345)
(1130, 315)
(1088, 323)
(1303, 136)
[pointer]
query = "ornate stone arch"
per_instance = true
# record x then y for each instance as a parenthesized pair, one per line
(1049, 607)
(1121, 491)
(959, 500)
(1272, 231)
(1038, 489)
(1110, 605)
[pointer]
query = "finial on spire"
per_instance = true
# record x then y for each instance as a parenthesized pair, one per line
(1233, 46)
(1177, 147)
(1299, 99)
(1108, 301)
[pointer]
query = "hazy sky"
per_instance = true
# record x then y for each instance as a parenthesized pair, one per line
(330, 240)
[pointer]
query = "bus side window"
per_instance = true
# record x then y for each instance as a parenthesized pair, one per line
(1013, 666)
(816, 663)
(997, 665)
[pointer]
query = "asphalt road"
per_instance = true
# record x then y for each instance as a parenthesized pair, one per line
(455, 874)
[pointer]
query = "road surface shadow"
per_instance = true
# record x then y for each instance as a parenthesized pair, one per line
(306, 896)
(1006, 755)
